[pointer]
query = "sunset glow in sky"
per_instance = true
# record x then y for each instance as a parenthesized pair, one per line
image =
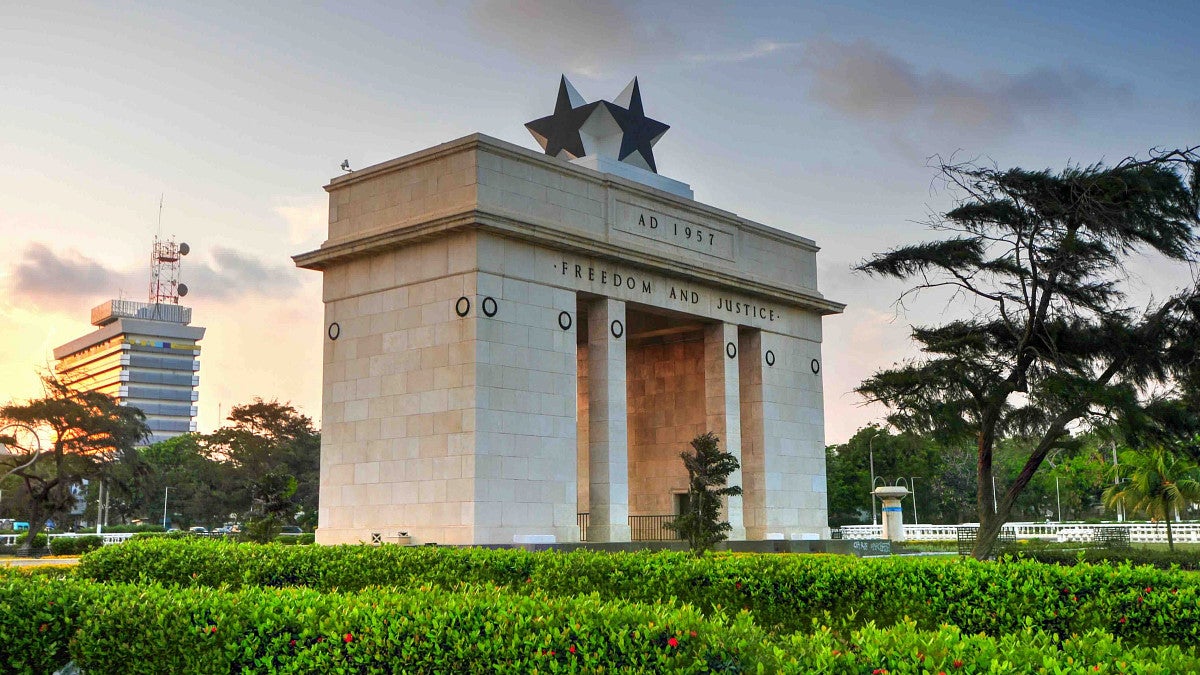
(813, 119)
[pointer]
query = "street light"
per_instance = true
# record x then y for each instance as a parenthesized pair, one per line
(1117, 481)
(166, 492)
(20, 441)
(871, 450)
(1057, 494)
(912, 486)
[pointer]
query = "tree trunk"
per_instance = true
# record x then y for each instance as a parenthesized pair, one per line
(989, 524)
(1167, 518)
(37, 523)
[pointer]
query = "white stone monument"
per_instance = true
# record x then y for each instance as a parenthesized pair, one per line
(893, 514)
(514, 339)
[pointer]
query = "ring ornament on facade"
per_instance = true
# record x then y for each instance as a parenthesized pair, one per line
(489, 306)
(564, 320)
(617, 328)
(816, 366)
(463, 306)
(730, 350)
(335, 331)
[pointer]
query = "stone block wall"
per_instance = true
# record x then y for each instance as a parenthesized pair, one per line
(399, 406)
(525, 440)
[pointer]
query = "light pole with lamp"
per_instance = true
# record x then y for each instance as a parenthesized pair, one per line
(871, 451)
(1057, 493)
(166, 493)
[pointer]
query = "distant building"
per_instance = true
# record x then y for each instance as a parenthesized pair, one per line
(144, 355)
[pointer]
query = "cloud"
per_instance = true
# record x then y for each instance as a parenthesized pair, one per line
(234, 274)
(760, 49)
(870, 84)
(586, 37)
(306, 218)
(44, 275)
(67, 280)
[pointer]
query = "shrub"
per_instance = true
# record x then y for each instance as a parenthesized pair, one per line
(783, 593)
(1183, 560)
(37, 617)
(153, 629)
(125, 529)
(75, 545)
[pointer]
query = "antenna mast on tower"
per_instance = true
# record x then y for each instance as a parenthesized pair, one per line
(165, 287)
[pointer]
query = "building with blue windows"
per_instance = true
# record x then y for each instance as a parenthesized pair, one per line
(144, 355)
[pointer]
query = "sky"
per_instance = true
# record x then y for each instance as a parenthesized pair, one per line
(817, 118)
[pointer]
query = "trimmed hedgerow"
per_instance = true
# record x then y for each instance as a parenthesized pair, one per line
(75, 545)
(37, 618)
(782, 593)
(1184, 560)
(153, 629)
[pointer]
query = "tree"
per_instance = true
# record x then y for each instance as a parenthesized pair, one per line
(86, 431)
(272, 505)
(1036, 259)
(268, 437)
(1159, 481)
(708, 469)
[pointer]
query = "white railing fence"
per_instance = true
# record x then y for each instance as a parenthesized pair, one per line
(1147, 533)
(109, 537)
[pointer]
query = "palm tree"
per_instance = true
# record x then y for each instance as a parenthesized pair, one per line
(1157, 481)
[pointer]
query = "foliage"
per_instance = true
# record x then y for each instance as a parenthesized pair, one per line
(75, 545)
(1158, 483)
(215, 475)
(481, 629)
(708, 469)
(1048, 339)
(273, 505)
(782, 593)
(1164, 560)
(86, 431)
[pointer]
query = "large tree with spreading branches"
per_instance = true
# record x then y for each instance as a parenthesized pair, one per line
(78, 433)
(1049, 338)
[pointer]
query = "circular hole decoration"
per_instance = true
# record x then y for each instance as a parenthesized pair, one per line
(770, 358)
(564, 320)
(730, 350)
(463, 306)
(335, 331)
(816, 366)
(617, 328)
(489, 306)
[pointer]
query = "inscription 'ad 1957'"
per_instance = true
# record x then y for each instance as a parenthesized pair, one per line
(685, 234)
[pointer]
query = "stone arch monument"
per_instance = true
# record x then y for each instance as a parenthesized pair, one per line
(515, 338)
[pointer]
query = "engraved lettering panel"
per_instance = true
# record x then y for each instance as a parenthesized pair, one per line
(674, 231)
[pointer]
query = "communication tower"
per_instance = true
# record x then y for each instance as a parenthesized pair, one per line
(165, 287)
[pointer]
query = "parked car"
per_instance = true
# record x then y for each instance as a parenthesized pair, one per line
(290, 531)
(198, 530)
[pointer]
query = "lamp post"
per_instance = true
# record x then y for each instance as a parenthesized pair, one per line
(912, 486)
(166, 493)
(1117, 481)
(871, 450)
(1057, 493)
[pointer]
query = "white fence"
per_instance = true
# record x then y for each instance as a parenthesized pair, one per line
(1148, 533)
(109, 537)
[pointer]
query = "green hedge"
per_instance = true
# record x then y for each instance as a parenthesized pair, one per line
(110, 628)
(1184, 560)
(784, 593)
(75, 545)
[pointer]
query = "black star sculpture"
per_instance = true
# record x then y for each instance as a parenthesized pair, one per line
(638, 132)
(559, 132)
